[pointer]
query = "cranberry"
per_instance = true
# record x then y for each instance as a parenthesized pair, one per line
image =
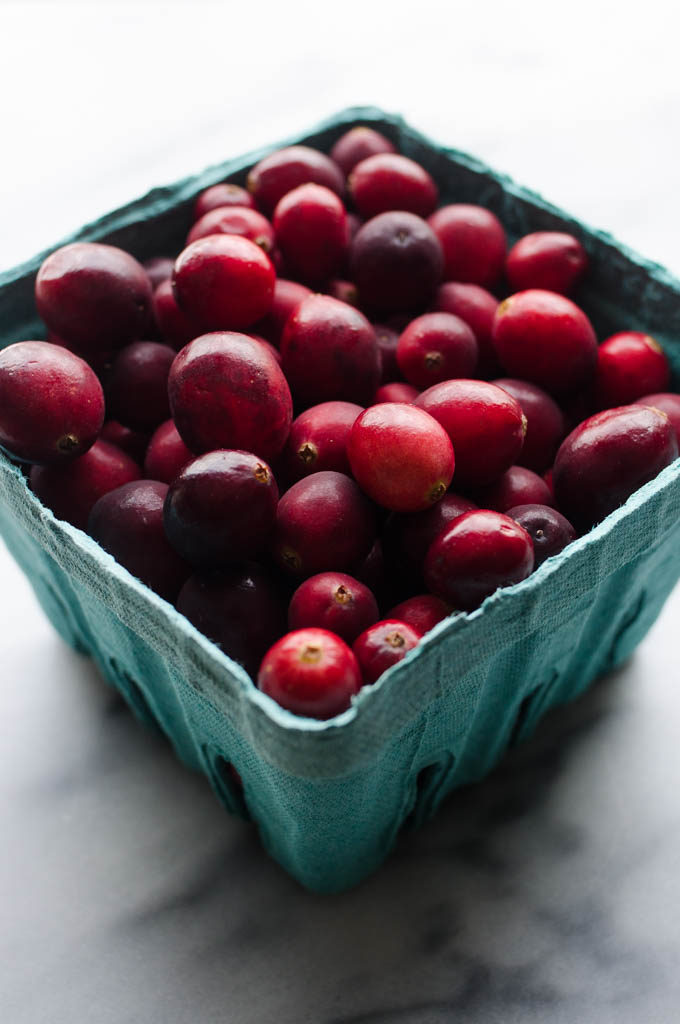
(480, 552)
(227, 391)
(550, 532)
(71, 490)
(318, 439)
(224, 194)
(137, 387)
(396, 391)
(407, 537)
(311, 231)
(629, 365)
(273, 352)
(477, 307)
(175, 327)
(132, 442)
(333, 601)
(546, 339)
(436, 347)
(323, 523)
(605, 459)
(552, 260)
(329, 352)
(372, 571)
(284, 170)
(128, 523)
(473, 242)
(287, 297)
(158, 269)
(353, 224)
(485, 424)
(667, 403)
(310, 672)
(51, 402)
(421, 613)
(546, 426)
(401, 456)
(166, 454)
(234, 220)
(548, 477)
(358, 144)
(344, 291)
(388, 181)
(396, 262)
(387, 339)
(382, 645)
(517, 486)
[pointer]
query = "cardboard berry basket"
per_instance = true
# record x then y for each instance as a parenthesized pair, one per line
(329, 798)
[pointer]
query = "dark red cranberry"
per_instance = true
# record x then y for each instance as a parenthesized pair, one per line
(396, 262)
(473, 242)
(517, 486)
(310, 672)
(287, 297)
(548, 477)
(132, 442)
(407, 537)
(333, 601)
(128, 523)
(95, 296)
(480, 552)
(353, 224)
(387, 339)
(486, 426)
(174, 326)
(318, 439)
(401, 457)
(282, 171)
(605, 459)
(389, 181)
(166, 454)
(224, 194)
(629, 365)
(667, 403)
(358, 144)
(550, 532)
(382, 645)
(546, 339)
(234, 220)
(395, 391)
(158, 269)
(227, 391)
(137, 386)
(273, 352)
(546, 426)
(436, 347)
(323, 523)
(477, 307)
(329, 352)
(311, 232)
(552, 260)
(71, 490)
(421, 613)
(372, 572)
(51, 402)
(344, 291)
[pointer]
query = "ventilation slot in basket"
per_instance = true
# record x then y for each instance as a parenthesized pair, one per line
(226, 782)
(428, 791)
(134, 695)
(530, 710)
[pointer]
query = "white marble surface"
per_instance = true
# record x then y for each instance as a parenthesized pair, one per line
(548, 894)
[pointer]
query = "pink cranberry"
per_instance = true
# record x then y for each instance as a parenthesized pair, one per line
(158, 269)
(175, 327)
(224, 194)
(166, 454)
(358, 144)
(421, 613)
(517, 486)
(407, 537)
(344, 291)
(132, 442)
(400, 456)
(667, 403)
(333, 601)
(311, 232)
(234, 220)
(546, 425)
(395, 391)
(318, 439)
(480, 552)
(477, 307)
(310, 672)
(629, 365)
(473, 241)
(137, 386)
(284, 170)
(51, 402)
(388, 181)
(382, 645)
(387, 339)
(550, 532)
(552, 260)
(436, 347)
(287, 297)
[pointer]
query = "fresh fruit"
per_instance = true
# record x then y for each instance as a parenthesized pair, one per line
(166, 454)
(552, 260)
(282, 171)
(383, 645)
(666, 402)
(333, 601)
(388, 181)
(517, 486)
(396, 262)
(345, 291)
(421, 613)
(477, 307)
(318, 440)
(550, 532)
(407, 536)
(436, 347)
(235, 220)
(158, 269)
(629, 365)
(310, 672)
(224, 194)
(174, 326)
(133, 442)
(387, 339)
(395, 391)
(473, 242)
(311, 231)
(137, 385)
(546, 425)
(358, 144)
(287, 297)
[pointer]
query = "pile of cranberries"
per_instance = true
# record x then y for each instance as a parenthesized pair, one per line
(341, 411)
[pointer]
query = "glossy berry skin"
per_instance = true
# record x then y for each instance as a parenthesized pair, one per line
(318, 440)
(553, 260)
(97, 297)
(333, 601)
(477, 307)
(235, 220)
(480, 552)
(667, 402)
(546, 425)
(166, 454)
(137, 385)
(329, 352)
(485, 424)
(128, 523)
(383, 645)
(174, 326)
(436, 347)
(311, 231)
(473, 242)
(400, 456)
(51, 403)
(323, 523)
(421, 613)
(608, 457)
(287, 297)
(227, 391)
(387, 339)
(358, 144)
(282, 171)
(544, 338)
(223, 194)
(389, 181)
(517, 486)
(310, 672)
(550, 532)
(72, 489)
(629, 365)
(132, 442)
(221, 508)
(158, 269)
(395, 391)
(224, 282)
(407, 537)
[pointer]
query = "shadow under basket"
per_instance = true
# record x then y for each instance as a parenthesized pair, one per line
(329, 798)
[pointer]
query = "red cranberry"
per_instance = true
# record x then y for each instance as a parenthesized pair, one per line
(323, 523)
(224, 194)
(158, 269)
(421, 613)
(436, 347)
(605, 459)
(284, 170)
(329, 352)
(629, 365)
(550, 532)
(395, 391)
(407, 537)
(387, 339)
(318, 439)
(310, 672)
(132, 442)
(71, 490)
(473, 241)
(344, 291)
(480, 552)
(175, 327)
(137, 387)
(548, 477)
(371, 571)
(273, 352)
(388, 181)
(517, 486)
(234, 220)
(485, 424)
(401, 457)
(396, 262)
(667, 403)
(311, 231)
(333, 601)
(128, 523)
(546, 339)
(166, 454)
(51, 402)
(477, 307)
(382, 645)
(358, 144)
(546, 426)
(287, 297)
(552, 260)
(227, 391)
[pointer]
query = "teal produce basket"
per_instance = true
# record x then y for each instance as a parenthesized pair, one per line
(329, 798)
